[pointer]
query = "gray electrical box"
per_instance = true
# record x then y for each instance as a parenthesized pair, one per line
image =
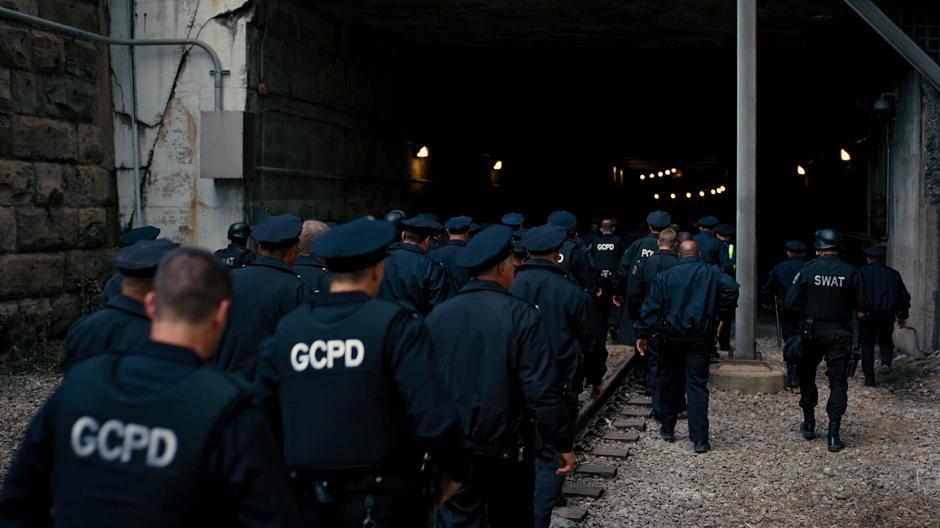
(225, 143)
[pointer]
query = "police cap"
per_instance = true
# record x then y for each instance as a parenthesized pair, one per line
(828, 239)
(659, 219)
(875, 251)
(517, 234)
(724, 230)
(278, 231)
(395, 216)
(512, 219)
(139, 233)
(354, 245)
(488, 248)
(475, 228)
(427, 216)
(458, 224)
(708, 222)
(563, 219)
(142, 258)
(544, 239)
(420, 226)
(796, 246)
(239, 230)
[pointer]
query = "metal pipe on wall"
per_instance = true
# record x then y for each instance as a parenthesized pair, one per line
(746, 168)
(218, 73)
(135, 138)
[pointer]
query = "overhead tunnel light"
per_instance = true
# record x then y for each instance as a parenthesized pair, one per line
(701, 193)
(800, 170)
(688, 195)
(422, 152)
(672, 195)
(844, 154)
(642, 177)
(498, 165)
(714, 192)
(660, 174)
(656, 196)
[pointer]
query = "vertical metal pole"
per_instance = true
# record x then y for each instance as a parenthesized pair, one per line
(135, 133)
(746, 178)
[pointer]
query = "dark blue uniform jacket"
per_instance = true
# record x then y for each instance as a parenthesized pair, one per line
(639, 283)
(447, 255)
(414, 280)
(566, 317)
(312, 273)
(690, 298)
(709, 246)
(262, 293)
(121, 324)
(883, 291)
(496, 360)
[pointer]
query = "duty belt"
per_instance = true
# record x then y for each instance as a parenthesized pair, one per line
(372, 481)
(502, 453)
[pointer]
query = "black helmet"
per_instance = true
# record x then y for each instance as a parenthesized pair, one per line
(828, 239)
(394, 216)
(239, 230)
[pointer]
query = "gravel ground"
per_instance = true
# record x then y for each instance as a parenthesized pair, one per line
(21, 396)
(761, 472)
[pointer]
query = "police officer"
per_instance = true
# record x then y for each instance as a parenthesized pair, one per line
(494, 356)
(572, 257)
(262, 292)
(680, 315)
(307, 266)
(825, 292)
(644, 369)
(237, 254)
(112, 287)
(351, 379)
(394, 217)
(729, 257)
(122, 323)
(606, 250)
(412, 278)
(153, 436)
(728, 263)
(885, 299)
(458, 228)
(639, 249)
(775, 290)
(567, 316)
(707, 242)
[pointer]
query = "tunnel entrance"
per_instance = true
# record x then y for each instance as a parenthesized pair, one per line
(580, 108)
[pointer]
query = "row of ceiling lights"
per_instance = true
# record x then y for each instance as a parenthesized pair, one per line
(702, 194)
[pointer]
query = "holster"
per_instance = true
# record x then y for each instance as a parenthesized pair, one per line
(808, 330)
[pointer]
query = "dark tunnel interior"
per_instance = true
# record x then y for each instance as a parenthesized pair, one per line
(566, 120)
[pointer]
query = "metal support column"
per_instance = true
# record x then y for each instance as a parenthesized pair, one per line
(746, 179)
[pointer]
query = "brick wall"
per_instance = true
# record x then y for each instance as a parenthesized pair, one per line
(57, 193)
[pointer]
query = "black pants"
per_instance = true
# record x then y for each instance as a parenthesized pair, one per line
(724, 337)
(683, 368)
(401, 508)
(499, 490)
(836, 349)
(876, 328)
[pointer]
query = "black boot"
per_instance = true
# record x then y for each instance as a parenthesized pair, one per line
(808, 428)
(834, 442)
(793, 380)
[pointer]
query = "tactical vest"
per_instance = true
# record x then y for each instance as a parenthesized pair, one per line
(232, 256)
(606, 252)
(339, 403)
(135, 461)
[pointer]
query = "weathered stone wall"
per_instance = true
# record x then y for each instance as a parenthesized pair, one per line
(57, 195)
(328, 130)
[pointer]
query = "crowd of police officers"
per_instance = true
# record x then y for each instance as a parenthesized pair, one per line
(399, 372)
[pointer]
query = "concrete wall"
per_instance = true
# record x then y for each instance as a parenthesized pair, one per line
(58, 215)
(914, 193)
(173, 87)
(329, 134)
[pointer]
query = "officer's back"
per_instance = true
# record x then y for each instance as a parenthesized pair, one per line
(351, 379)
(573, 257)
(497, 363)
(237, 254)
(458, 228)
(412, 278)
(606, 250)
(262, 292)
(780, 279)
(883, 290)
(826, 289)
(639, 282)
(123, 322)
(153, 437)
(642, 247)
(708, 243)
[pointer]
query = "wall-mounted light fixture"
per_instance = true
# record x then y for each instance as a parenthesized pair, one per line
(422, 152)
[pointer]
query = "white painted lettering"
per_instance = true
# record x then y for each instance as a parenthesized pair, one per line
(116, 442)
(136, 437)
(299, 358)
(318, 346)
(113, 451)
(355, 353)
(82, 444)
(161, 438)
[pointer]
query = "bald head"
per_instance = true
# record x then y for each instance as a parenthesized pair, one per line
(607, 226)
(689, 249)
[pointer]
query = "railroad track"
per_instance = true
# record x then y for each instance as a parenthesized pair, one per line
(608, 429)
